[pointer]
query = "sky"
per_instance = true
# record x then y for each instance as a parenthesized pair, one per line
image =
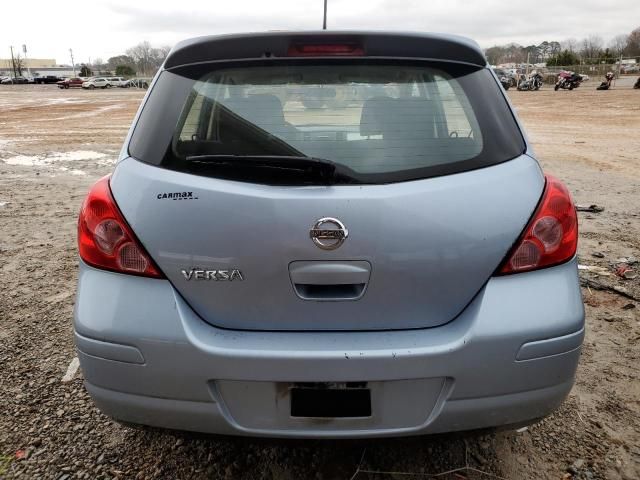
(105, 28)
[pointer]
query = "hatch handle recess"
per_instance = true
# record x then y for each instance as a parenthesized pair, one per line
(330, 280)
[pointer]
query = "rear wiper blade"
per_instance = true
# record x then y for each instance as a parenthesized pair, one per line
(293, 161)
(325, 169)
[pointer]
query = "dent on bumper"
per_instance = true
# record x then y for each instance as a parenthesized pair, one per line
(509, 356)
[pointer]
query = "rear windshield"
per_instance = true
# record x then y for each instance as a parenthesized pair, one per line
(375, 122)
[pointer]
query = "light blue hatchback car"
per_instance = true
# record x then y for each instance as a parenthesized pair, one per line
(327, 234)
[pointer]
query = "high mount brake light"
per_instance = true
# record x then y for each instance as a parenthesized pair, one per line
(324, 50)
(551, 236)
(105, 240)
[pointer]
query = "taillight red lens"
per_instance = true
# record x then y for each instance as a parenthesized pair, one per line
(551, 237)
(312, 50)
(105, 240)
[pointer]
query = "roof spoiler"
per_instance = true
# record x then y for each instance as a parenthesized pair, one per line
(254, 46)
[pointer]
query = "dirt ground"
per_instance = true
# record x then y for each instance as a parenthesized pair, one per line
(55, 143)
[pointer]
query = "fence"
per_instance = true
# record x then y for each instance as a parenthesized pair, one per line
(140, 82)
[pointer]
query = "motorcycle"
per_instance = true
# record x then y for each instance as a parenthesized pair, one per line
(534, 82)
(608, 78)
(637, 84)
(568, 81)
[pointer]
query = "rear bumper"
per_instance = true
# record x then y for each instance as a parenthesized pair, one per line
(207, 417)
(509, 358)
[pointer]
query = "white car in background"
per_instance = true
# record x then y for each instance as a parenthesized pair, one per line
(96, 82)
(118, 82)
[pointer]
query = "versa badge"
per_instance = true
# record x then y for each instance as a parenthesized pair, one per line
(217, 275)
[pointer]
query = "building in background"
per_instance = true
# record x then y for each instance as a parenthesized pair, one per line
(39, 67)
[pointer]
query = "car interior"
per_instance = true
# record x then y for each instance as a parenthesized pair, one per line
(371, 121)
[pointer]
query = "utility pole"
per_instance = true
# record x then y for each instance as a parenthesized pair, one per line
(24, 50)
(620, 65)
(72, 62)
(13, 63)
(324, 22)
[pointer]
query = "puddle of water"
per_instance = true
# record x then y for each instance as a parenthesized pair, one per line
(97, 111)
(40, 160)
(26, 160)
(76, 155)
(57, 101)
(108, 162)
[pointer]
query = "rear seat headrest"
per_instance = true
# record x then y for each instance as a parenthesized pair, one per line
(398, 118)
(410, 119)
(261, 109)
(374, 110)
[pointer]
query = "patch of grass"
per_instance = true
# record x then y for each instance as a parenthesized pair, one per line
(5, 462)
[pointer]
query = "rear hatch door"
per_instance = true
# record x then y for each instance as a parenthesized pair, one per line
(428, 191)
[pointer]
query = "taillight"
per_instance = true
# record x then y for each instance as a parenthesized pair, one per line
(105, 240)
(551, 237)
(316, 50)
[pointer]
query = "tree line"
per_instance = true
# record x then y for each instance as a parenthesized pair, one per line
(142, 60)
(589, 50)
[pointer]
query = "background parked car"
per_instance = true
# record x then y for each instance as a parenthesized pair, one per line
(118, 82)
(47, 79)
(97, 82)
(512, 74)
(14, 80)
(503, 77)
(70, 82)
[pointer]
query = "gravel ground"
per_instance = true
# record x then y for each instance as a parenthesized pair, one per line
(55, 143)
